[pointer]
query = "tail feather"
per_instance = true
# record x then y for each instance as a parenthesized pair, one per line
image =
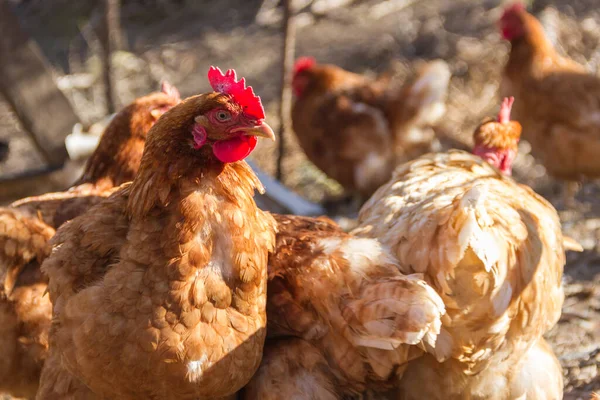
(403, 310)
(417, 109)
(427, 94)
(571, 244)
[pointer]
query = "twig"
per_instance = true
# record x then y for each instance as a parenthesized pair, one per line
(116, 33)
(110, 40)
(287, 62)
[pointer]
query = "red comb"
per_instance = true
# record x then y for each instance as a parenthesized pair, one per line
(513, 8)
(505, 107)
(227, 83)
(303, 63)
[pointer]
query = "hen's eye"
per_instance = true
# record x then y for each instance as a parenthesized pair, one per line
(223, 116)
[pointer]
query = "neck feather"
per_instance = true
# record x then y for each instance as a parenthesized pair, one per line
(158, 187)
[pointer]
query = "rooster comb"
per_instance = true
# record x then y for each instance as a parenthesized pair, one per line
(513, 8)
(227, 83)
(303, 63)
(505, 107)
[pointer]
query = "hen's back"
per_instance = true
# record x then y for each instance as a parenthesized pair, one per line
(357, 129)
(341, 126)
(490, 247)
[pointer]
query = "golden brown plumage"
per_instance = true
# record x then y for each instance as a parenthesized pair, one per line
(357, 315)
(496, 141)
(28, 224)
(558, 100)
(356, 129)
(492, 249)
(492, 133)
(159, 291)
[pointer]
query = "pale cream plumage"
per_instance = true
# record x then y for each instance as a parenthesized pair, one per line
(493, 250)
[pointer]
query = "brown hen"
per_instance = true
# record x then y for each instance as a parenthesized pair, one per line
(159, 291)
(27, 226)
(356, 129)
(558, 101)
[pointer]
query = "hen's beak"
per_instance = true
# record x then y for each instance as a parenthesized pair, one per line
(262, 130)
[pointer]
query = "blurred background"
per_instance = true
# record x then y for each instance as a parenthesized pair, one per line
(178, 40)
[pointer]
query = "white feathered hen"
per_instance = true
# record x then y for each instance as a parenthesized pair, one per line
(493, 250)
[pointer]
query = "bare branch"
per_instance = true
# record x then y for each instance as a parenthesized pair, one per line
(287, 62)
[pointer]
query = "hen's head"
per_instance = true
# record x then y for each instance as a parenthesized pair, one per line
(496, 141)
(301, 78)
(221, 126)
(145, 111)
(513, 22)
(119, 152)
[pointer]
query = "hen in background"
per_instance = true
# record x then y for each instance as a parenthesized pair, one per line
(559, 101)
(114, 162)
(159, 291)
(493, 250)
(342, 318)
(356, 129)
(27, 226)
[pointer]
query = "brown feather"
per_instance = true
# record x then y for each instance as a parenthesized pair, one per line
(347, 300)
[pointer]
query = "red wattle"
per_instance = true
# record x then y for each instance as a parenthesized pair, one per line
(235, 149)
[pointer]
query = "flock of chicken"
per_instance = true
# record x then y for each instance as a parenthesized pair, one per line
(161, 288)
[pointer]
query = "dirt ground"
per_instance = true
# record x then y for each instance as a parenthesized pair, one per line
(178, 40)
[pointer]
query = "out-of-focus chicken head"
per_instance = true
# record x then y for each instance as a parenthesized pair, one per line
(512, 23)
(496, 141)
(301, 76)
(220, 126)
(119, 152)
(145, 111)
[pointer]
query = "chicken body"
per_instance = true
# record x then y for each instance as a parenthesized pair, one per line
(356, 129)
(28, 224)
(493, 250)
(558, 99)
(342, 317)
(159, 291)
(24, 311)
